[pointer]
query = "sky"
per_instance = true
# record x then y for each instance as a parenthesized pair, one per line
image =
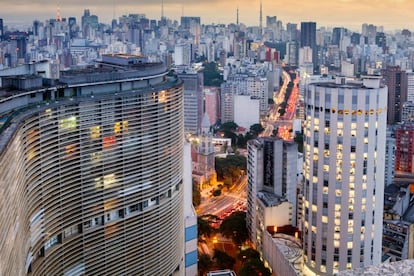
(392, 14)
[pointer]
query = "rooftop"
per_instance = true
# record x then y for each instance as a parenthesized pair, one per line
(269, 199)
(405, 267)
(226, 272)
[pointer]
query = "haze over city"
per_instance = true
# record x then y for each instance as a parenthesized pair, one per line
(392, 14)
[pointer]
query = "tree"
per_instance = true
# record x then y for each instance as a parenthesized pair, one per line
(254, 267)
(256, 129)
(217, 192)
(226, 167)
(212, 75)
(204, 229)
(204, 264)
(248, 255)
(231, 126)
(234, 227)
(223, 260)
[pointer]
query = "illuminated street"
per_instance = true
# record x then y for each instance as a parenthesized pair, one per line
(283, 123)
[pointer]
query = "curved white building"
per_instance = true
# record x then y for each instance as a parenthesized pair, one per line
(344, 153)
(91, 179)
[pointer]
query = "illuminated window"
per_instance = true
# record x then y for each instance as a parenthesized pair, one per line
(68, 123)
(117, 128)
(125, 126)
(108, 141)
(70, 150)
(95, 132)
(162, 98)
(95, 157)
(109, 180)
(31, 154)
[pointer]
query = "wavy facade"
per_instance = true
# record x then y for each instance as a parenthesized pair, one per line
(91, 182)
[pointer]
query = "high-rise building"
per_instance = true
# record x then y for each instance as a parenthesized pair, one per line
(212, 103)
(271, 21)
(193, 98)
(344, 152)
(292, 53)
(308, 34)
(1, 29)
(292, 31)
(187, 21)
(389, 170)
(271, 186)
(404, 151)
(92, 173)
(182, 54)
(408, 113)
(409, 77)
(337, 34)
(395, 79)
(308, 38)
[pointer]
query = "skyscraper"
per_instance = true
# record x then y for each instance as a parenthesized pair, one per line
(396, 80)
(193, 98)
(404, 150)
(1, 29)
(271, 187)
(308, 34)
(308, 38)
(344, 152)
(92, 172)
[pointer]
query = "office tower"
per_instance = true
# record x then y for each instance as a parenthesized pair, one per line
(1, 29)
(308, 38)
(397, 92)
(337, 34)
(292, 53)
(36, 24)
(344, 152)
(89, 23)
(193, 98)
(182, 54)
(355, 38)
(271, 21)
(73, 28)
(271, 186)
(187, 21)
(409, 79)
(308, 34)
(381, 40)
(92, 172)
(404, 151)
(292, 31)
(305, 57)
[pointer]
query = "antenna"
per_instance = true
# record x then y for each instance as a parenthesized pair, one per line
(162, 9)
(237, 19)
(58, 17)
(113, 9)
(261, 18)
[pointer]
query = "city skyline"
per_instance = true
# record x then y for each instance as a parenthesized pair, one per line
(392, 14)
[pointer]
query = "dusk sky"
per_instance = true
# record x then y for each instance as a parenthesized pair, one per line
(392, 14)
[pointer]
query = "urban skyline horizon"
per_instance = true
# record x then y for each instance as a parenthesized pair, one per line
(391, 19)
